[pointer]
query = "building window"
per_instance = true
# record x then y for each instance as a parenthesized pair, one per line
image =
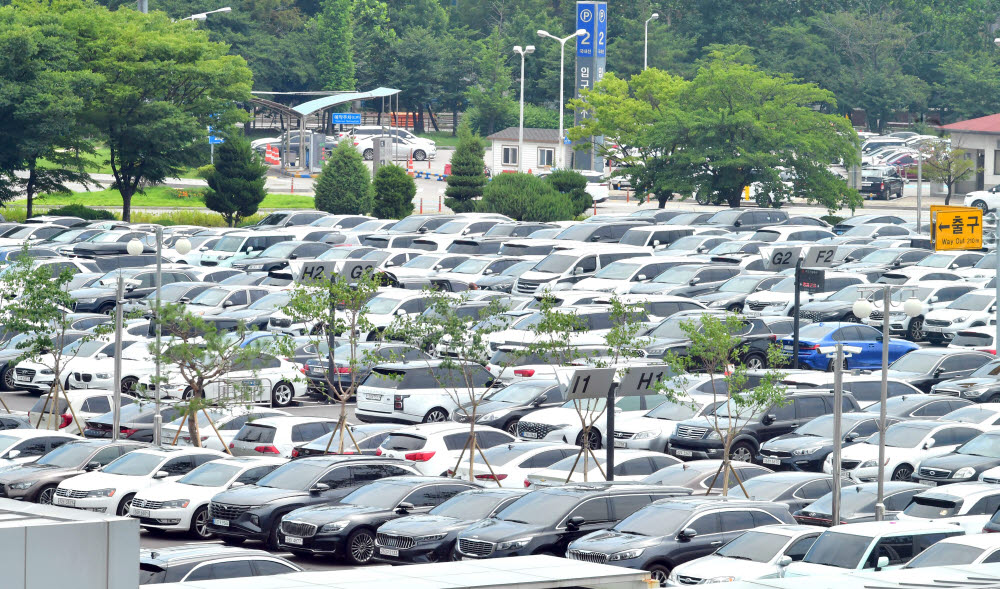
(545, 156)
(509, 156)
(996, 162)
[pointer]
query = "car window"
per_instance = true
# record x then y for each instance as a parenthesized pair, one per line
(963, 362)
(365, 473)
(814, 489)
(799, 548)
(221, 570)
(338, 477)
(865, 428)
(96, 405)
(456, 441)
(106, 455)
(178, 466)
(253, 475)
(592, 511)
(786, 412)
(733, 521)
(898, 549)
(625, 505)
(543, 459)
(933, 409)
(706, 524)
(809, 407)
(899, 501)
(762, 518)
(306, 432)
(986, 506)
(993, 558)
(634, 467)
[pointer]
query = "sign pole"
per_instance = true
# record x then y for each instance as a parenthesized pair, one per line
(838, 415)
(609, 469)
(795, 314)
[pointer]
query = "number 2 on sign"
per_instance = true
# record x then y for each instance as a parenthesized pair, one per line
(781, 258)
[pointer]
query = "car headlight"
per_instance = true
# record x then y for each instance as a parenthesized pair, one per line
(101, 493)
(46, 371)
(727, 579)
(807, 450)
(103, 375)
(960, 319)
(22, 486)
(514, 544)
(176, 503)
(646, 435)
(493, 415)
(656, 351)
(88, 301)
(672, 577)
(255, 519)
(721, 303)
(428, 538)
(255, 267)
(713, 435)
(869, 464)
(563, 426)
(335, 526)
(626, 554)
(964, 473)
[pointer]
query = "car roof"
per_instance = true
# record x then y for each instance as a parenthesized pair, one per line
(35, 433)
(890, 527)
(792, 476)
(426, 429)
(172, 450)
(288, 420)
(197, 552)
(960, 490)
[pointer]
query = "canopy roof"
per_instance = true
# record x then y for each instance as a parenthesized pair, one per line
(308, 108)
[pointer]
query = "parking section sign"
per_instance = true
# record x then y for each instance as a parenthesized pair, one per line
(585, 14)
(591, 57)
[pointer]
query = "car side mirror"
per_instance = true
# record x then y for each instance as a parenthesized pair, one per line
(389, 264)
(161, 474)
(293, 256)
(688, 533)
(656, 242)
(768, 419)
(993, 309)
(896, 264)
(878, 338)
(227, 304)
(851, 437)
(575, 522)
(236, 484)
(319, 488)
(129, 287)
(929, 444)
(400, 312)
(578, 270)
(92, 466)
(487, 272)
(640, 277)
(438, 267)
(784, 561)
(101, 356)
(13, 454)
(404, 508)
(249, 249)
(737, 223)
(203, 248)
(694, 281)
(540, 399)
(185, 299)
(938, 372)
(934, 299)
(953, 266)
(883, 561)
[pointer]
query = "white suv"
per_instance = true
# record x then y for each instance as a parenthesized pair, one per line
(973, 309)
(415, 392)
(780, 298)
(563, 424)
(278, 436)
(968, 505)
(434, 448)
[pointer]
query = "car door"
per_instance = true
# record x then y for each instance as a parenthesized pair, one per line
(866, 338)
(596, 514)
(707, 539)
(779, 421)
(735, 522)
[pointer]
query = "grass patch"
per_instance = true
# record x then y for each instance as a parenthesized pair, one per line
(98, 163)
(441, 138)
(166, 197)
(17, 213)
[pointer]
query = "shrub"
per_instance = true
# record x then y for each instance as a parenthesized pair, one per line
(236, 182)
(526, 198)
(394, 192)
(344, 187)
(466, 181)
(574, 185)
(84, 212)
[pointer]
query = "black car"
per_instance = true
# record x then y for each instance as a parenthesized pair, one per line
(927, 367)
(919, 406)
(37, 482)
(965, 463)
(792, 489)
(504, 281)
(688, 280)
(846, 224)
(347, 530)
(367, 355)
(547, 520)
(504, 408)
(431, 537)
(694, 438)
(206, 562)
(139, 282)
(364, 438)
(746, 219)
(836, 307)
(15, 422)
(857, 503)
(258, 314)
(731, 294)
(135, 421)
(756, 335)
(670, 532)
(178, 292)
(253, 512)
(981, 386)
(278, 255)
(113, 243)
(883, 183)
(806, 448)
(883, 260)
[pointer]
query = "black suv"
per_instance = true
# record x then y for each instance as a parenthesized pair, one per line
(430, 537)
(883, 183)
(253, 512)
(667, 533)
(347, 530)
(806, 448)
(505, 408)
(695, 438)
(547, 520)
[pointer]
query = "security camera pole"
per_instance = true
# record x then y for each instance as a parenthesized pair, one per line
(838, 353)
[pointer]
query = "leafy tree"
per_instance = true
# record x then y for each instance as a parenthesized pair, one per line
(574, 185)
(373, 40)
(236, 183)
(525, 197)
(467, 178)
(394, 192)
(947, 165)
(488, 94)
(334, 45)
(344, 187)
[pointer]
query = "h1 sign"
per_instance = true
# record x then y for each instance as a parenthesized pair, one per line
(345, 118)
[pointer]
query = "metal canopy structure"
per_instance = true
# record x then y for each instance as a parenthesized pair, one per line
(307, 108)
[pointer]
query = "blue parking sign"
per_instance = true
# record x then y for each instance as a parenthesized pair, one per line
(585, 15)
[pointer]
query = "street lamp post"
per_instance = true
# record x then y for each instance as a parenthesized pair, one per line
(561, 152)
(182, 246)
(645, 43)
(862, 309)
(204, 15)
(522, 51)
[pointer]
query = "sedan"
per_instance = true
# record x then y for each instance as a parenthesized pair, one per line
(630, 465)
(509, 465)
(814, 336)
(857, 503)
(981, 386)
(928, 367)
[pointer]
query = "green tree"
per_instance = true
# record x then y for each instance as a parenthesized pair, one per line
(373, 41)
(467, 178)
(574, 185)
(488, 94)
(394, 191)
(344, 187)
(947, 165)
(525, 197)
(236, 182)
(334, 45)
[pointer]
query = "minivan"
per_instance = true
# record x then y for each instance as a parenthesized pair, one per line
(573, 265)
(236, 246)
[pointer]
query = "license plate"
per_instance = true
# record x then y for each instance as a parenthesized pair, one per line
(788, 348)
(529, 435)
(752, 314)
(680, 452)
(619, 443)
(371, 397)
(23, 378)
(926, 328)
(929, 483)
(293, 540)
(64, 501)
(766, 460)
(388, 552)
(139, 512)
(222, 523)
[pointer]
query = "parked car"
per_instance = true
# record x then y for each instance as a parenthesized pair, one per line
(957, 551)
(207, 562)
(807, 447)
(434, 448)
(504, 408)
(508, 465)
(981, 386)
(965, 463)
(928, 367)
(278, 436)
(704, 477)
(816, 335)
(968, 505)
(857, 503)
(364, 438)
(630, 465)
(794, 489)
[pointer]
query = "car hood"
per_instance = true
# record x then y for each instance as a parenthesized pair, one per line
(950, 314)
(254, 495)
(806, 569)
(100, 480)
(322, 514)
(789, 442)
(31, 472)
(495, 530)
(244, 313)
(422, 525)
(655, 287)
(92, 292)
(174, 490)
(599, 284)
(711, 297)
(969, 383)
(641, 424)
(489, 406)
(713, 565)
(821, 306)
(611, 541)
(486, 281)
(954, 462)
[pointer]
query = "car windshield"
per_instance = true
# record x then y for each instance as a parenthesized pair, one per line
(815, 331)
(878, 256)
(472, 266)
(295, 476)
(740, 284)
(279, 250)
(452, 227)
(661, 519)
(843, 551)
(937, 261)
(555, 263)
(970, 414)
(677, 275)
(381, 305)
(337, 253)
(988, 369)
(422, 262)
(728, 409)
(972, 302)
(724, 218)
(820, 427)
(170, 293)
(273, 301)
(945, 554)
(734, 247)
(538, 508)
(786, 285)
(467, 506)
(520, 392)
(230, 243)
(211, 474)
(674, 410)
(688, 243)
(380, 494)
(618, 271)
(754, 545)
(83, 348)
(581, 232)
(518, 269)
(67, 455)
(916, 362)
(933, 507)
(901, 435)
(986, 445)
(848, 294)
(211, 297)
(134, 464)
(673, 327)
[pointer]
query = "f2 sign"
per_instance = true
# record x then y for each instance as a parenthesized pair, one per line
(590, 383)
(817, 256)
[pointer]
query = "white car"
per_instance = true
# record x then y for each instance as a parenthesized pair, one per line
(907, 444)
(937, 262)
(973, 309)
(510, 464)
(984, 199)
(563, 424)
(137, 364)
(434, 448)
(652, 430)
(85, 406)
(225, 298)
(761, 553)
(933, 295)
(23, 446)
(967, 505)
(404, 148)
(37, 375)
(780, 298)
(421, 391)
(227, 421)
(958, 551)
(630, 465)
(263, 379)
(183, 505)
(976, 338)
(111, 489)
(278, 436)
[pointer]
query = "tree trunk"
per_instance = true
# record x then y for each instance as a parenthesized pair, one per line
(454, 122)
(193, 430)
(29, 187)
(733, 198)
(126, 204)
(430, 115)
(947, 197)
(662, 199)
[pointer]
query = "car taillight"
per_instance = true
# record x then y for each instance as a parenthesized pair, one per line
(419, 456)
(127, 431)
(295, 453)
(773, 337)
(397, 402)
(988, 531)
(490, 477)
(343, 370)
(266, 450)
(66, 420)
(378, 451)
(994, 352)
(524, 372)
(302, 370)
(488, 369)
(881, 186)
(527, 483)
(231, 445)
(801, 347)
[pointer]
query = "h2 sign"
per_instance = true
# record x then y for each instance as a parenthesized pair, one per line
(351, 270)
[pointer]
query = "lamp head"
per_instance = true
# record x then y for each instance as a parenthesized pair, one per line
(225, 9)
(862, 308)
(134, 247)
(182, 246)
(542, 33)
(518, 49)
(529, 49)
(655, 16)
(996, 41)
(580, 32)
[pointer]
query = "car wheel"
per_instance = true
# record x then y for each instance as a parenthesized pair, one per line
(735, 308)
(188, 394)
(125, 505)
(282, 393)
(994, 399)
(106, 308)
(915, 332)
(361, 546)
(934, 341)
(130, 384)
(368, 154)
(981, 204)
(829, 366)
(8, 383)
(419, 155)
(46, 494)
(511, 427)
(755, 361)
(659, 573)
(199, 524)
(741, 452)
(902, 472)
(436, 414)
(593, 438)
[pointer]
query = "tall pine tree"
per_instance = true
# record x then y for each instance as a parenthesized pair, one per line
(344, 187)
(467, 178)
(236, 184)
(335, 45)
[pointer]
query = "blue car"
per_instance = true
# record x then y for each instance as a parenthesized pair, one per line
(869, 339)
